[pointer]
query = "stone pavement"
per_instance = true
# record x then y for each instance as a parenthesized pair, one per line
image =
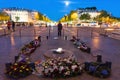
(109, 49)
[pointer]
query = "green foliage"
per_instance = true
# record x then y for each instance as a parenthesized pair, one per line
(43, 18)
(17, 18)
(40, 16)
(104, 14)
(91, 8)
(85, 17)
(3, 14)
(117, 18)
(70, 15)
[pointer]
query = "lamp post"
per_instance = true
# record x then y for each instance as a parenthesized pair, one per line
(65, 18)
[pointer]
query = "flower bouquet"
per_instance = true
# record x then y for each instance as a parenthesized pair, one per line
(60, 68)
(85, 48)
(73, 39)
(35, 43)
(81, 45)
(102, 70)
(21, 66)
(28, 49)
(18, 70)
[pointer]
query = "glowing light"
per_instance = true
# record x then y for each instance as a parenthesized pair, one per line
(109, 29)
(67, 3)
(12, 40)
(59, 50)
(96, 42)
(1, 28)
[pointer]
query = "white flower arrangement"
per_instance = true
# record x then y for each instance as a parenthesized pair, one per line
(61, 68)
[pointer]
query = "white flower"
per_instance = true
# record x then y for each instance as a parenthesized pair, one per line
(67, 68)
(39, 69)
(65, 59)
(61, 68)
(67, 73)
(78, 47)
(55, 67)
(80, 68)
(51, 69)
(73, 67)
(46, 66)
(59, 63)
(68, 61)
(46, 71)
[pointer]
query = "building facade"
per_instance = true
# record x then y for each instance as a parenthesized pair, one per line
(92, 12)
(20, 14)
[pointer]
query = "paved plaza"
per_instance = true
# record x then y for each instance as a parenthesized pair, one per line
(109, 48)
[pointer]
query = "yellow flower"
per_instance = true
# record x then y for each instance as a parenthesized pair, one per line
(23, 67)
(27, 69)
(21, 71)
(15, 69)
(15, 64)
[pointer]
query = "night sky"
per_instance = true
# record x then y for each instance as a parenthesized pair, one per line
(55, 9)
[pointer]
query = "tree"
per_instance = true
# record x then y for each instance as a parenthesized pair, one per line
(85, 17)
(17, 18)
(4, 16)
(91, 8)
(41, 17)
(36, 16)
(72, 16)
(94, 8)
(104, 14)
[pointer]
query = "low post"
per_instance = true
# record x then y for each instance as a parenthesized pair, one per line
(4, 32)
(8, 65)
(65, 37)
(16, 58)
(49, 31)
(39, 38)
(105, 33)
(77, 32)
(91, 32)
(34, 32)
(47, 37)
(109, 64)
(20, 32)
(63, 32)
(99, 58)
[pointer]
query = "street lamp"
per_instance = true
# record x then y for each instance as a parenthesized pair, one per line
(65, 17)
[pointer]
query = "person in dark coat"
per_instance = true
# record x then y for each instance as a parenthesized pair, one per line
(8, 25)
(13, 25)
(59, 28)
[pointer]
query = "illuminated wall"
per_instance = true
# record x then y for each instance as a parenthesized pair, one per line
(23, 15)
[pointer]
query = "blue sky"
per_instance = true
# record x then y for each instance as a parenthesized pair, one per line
(55, 9)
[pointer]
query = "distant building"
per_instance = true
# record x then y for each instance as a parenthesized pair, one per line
(92, 12)
(20, 14)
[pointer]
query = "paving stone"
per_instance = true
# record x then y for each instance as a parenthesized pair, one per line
(109, 49)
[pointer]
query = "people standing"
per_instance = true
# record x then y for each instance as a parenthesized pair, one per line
(8, 25)
(59, 28)
(13, 26)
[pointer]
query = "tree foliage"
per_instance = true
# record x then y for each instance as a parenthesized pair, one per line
(71, 16)
(104, 14)
(85, 17)
(106, 17)
(17, 18)
(40, 16)
(4, 16)
(91, 8)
